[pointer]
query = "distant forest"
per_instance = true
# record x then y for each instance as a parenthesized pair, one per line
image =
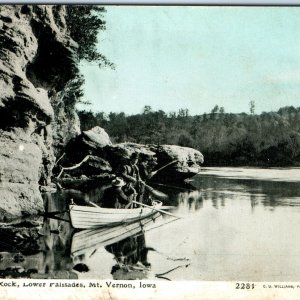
(268, 139)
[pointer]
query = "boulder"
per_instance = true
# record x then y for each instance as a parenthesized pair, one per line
(106, 157)
(141, 149)
(84, 183)
(186, 164)
(119, 153)
(96, 137)
(94, 165)
(91, 142)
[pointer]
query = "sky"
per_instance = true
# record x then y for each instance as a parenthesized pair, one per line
(197, 57)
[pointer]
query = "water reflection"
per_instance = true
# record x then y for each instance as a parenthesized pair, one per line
(34, 253)
(268, 193)
(55, 250)
(41, 251)
(131, 255)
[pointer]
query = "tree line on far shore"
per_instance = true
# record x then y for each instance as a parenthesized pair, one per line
(271, 138)
(267, 139)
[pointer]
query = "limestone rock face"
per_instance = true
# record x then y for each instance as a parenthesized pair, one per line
(20, 167)
(186, 156)
(87, 152)
(36, 63)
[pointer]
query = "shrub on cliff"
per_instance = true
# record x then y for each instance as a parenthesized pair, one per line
(84, 23)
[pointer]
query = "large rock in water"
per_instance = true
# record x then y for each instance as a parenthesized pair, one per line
(89, 143)
(96, 144)
(120, 153)
(103, 155)
(186, 164)
(96, 137)
(36, 63)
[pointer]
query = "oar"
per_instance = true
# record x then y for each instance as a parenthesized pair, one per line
(156, 209)
(166, 207)
(156, 193)
(174, 187)
(168, 164)
(92, 203)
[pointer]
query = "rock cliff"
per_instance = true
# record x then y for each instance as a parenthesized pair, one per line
(36, 63)
(38, 73)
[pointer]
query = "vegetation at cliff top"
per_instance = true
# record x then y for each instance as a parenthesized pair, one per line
(84, 23)
(268, 139)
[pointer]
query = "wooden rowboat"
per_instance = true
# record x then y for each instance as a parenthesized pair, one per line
(89, 240)
(85, 217)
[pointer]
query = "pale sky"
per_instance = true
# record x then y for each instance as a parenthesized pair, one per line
(172, 57)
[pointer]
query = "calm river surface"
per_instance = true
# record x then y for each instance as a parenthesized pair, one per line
(237, 224)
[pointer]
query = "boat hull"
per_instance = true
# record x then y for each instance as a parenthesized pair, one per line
(88, 240)
(86, 217)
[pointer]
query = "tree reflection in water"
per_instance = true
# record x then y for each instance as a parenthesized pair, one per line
(270, 193)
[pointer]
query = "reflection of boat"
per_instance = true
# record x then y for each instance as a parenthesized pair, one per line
(92, 239)
(131, 255)
(84, 217)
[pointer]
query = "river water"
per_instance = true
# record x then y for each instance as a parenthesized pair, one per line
(236, 224)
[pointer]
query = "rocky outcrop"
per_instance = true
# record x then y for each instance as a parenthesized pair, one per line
(95, 154)
(36, 62)
(96, 137)
(92, 165)
(91, 142)
(99, 156)
(186, 164)
(38, 77)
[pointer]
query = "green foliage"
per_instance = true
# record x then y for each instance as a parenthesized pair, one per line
(252, 107)
(147, 109)
(84, 23)
(215, 109)
(73, 92)
(224, 139)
